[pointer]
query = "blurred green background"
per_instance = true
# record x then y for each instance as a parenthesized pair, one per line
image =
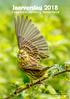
(56, 30)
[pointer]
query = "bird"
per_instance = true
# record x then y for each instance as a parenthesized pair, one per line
(32, 47)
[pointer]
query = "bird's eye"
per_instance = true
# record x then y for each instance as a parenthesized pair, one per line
(19, 55)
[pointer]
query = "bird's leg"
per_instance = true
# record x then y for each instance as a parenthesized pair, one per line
(39, 80)
(31, 82)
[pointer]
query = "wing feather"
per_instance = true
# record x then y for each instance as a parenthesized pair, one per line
(30, 36)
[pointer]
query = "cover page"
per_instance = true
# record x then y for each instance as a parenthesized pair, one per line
(34, 49)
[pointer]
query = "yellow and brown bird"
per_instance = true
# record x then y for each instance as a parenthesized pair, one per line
(32, 47)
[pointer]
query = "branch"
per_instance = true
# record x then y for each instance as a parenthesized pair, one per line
(19, 90)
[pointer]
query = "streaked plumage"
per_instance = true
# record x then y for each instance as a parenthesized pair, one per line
(32, 47)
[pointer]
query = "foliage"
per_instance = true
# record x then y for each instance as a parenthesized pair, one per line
(56, 30)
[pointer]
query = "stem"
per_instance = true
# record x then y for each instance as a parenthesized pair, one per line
(19, 90)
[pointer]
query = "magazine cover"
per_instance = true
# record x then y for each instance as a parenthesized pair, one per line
(34, 49)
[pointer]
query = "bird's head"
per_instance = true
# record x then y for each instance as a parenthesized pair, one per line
(23, 55)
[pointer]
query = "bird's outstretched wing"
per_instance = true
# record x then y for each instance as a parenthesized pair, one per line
(30, 38)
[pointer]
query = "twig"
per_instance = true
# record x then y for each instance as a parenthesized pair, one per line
(19, 90)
